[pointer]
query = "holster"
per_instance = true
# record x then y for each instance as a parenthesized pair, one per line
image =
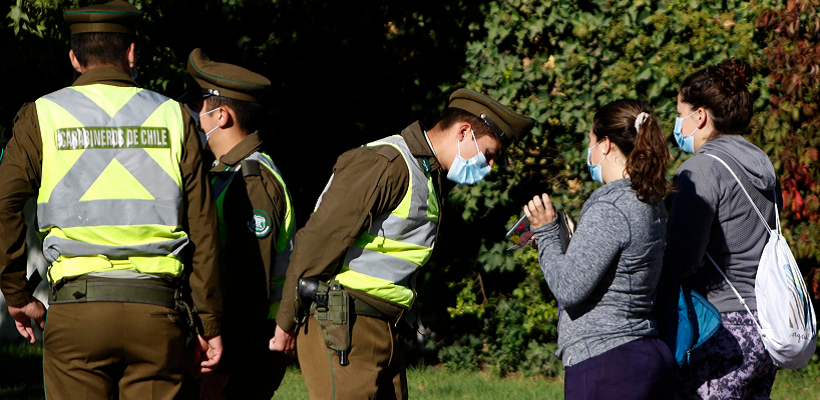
(330, 309)
(184, 304)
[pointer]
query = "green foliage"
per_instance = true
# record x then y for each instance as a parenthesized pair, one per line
(461, 357)
(559, 61)
(790, 128)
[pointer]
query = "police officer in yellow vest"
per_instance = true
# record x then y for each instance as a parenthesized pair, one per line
(256, 225)
(126, 214)
(374, 227)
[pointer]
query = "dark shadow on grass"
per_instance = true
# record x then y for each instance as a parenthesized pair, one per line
(21, 371)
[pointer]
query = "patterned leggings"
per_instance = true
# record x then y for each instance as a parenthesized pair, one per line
(732, 364)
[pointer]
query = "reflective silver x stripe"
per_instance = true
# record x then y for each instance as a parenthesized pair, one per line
(91, 164)
(379, 265)
(115, 212)
(416, 229)
(422, 233)
(54, 247)
(418, 198)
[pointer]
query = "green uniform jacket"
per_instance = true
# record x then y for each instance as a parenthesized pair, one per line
(20, 172)
(367, 182)
(247, 260)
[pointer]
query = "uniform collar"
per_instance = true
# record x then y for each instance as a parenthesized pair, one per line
(414, 137)
(417, 143)
(241, 151)
(107, 76)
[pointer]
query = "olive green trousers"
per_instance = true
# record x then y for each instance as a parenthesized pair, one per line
(110, 350)
(376, 369)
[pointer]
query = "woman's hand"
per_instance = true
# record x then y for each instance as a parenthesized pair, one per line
(539, 211)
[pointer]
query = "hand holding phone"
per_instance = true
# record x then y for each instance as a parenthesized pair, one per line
(539, 211)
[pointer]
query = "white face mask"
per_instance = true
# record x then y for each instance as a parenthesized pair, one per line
(203, 137)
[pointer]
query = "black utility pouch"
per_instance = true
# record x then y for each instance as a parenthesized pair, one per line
(331, 310)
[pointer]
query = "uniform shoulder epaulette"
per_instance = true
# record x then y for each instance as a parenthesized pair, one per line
(250, 168)
(388, 152)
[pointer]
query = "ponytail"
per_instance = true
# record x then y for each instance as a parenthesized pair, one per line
(646, 164)
(638, 135)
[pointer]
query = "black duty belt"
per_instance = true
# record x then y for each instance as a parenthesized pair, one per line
(83, 291)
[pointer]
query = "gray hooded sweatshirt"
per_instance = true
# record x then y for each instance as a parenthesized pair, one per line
(711, 214)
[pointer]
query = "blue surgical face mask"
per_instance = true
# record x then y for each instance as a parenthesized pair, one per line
(595, 170)
(203, 137)
(686, 143)
(468, 172)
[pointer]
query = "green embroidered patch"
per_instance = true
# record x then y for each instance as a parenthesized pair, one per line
(260, 223)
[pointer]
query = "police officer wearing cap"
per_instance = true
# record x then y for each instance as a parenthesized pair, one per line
(128, 223)
(256, 225)
(374, 227)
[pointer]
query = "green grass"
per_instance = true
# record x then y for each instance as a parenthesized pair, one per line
(440, 384)
(21, 377)
(797, 385)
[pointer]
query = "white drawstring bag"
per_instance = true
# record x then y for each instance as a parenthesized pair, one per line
(787, 325)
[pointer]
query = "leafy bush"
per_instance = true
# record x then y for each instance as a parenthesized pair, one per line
(559, 61)
(789, 129)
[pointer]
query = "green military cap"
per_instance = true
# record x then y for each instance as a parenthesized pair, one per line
(115, 16)
(507, 125)
(226, 80)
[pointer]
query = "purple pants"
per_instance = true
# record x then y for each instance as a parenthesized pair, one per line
(732, 364)
(641, 369)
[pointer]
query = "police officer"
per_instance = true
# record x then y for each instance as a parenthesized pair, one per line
(374, 227)
(256, 225)
(122, 199)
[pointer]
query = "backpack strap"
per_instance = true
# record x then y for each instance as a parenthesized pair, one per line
(759, 214)
(739, 297)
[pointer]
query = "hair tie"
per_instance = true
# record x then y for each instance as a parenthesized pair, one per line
(742, 75)
(639, 120)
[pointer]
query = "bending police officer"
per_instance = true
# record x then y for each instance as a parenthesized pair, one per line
(374, 227)
(117, 172)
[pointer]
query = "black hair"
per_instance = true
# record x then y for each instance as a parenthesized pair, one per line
(249, 114)
(101, 48)
(722, 90)
(645, 148)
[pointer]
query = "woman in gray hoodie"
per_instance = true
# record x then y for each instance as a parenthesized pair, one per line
(710, 214)
(606, 280)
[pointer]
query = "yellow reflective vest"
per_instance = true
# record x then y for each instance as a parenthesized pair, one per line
(111, 190)
(384, 260)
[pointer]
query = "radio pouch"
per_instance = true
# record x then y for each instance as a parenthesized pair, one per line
(331, 310)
